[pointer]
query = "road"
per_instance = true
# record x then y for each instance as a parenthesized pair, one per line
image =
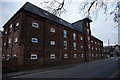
(94, 69)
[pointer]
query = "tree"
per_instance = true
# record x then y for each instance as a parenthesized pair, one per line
(87, 7)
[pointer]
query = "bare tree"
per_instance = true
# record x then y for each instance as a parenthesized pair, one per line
(87, 7)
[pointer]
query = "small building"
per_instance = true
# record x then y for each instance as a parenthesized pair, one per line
(112, 51)
(36, 37)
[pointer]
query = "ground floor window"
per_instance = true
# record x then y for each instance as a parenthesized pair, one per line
(33, 56)
(65, 56)
(52, 56)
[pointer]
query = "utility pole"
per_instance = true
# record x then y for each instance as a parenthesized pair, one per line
(108, 42)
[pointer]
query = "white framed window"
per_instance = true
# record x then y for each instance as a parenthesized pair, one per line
(65, 44)
(75, 56)
(74, 36)
(17, 24)
(52, 30)
(74, 46)
(14, 56)
(96, 48)
(33, 56)
(9, 41)
(82, 55)
(88, 38)
(92, 48)
(81, 47)
(10, 26)
(95, 43)
(89, 46)
(91, 41)
(8, 57)
(65, 56)
(92, 55)
(5, 32)
(36, 25)
(16, 40)
(81, 38)
(88, 31)
(52, 43)
(34, 40)
(98, 43)
(99, 49)
(65, 33)
(52, 56)
(96, 55)
(3, 56)
(4, 44)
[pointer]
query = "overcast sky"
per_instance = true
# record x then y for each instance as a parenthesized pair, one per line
(101, 28)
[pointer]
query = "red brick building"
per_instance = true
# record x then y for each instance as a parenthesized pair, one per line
(36, 37)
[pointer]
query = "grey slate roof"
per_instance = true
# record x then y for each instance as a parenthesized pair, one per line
(38, 11)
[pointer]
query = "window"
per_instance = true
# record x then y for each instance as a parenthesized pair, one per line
(8, 57)
(9, 41)
(14, 56)
(3, 56)
(35, 25)
(81, 38)
(82, 55)
(75, 56)
(87, 24)
(65, 56)
(52, 30)
(88, 31)
(4, 44)
(17, 24)
(88, 38)
(65, 33)
(65, 44)
(89, 46)
(34, 40)
(16, 40)
(96, 48)
(33, 56)
(96, 55)
(5, 32)
(52, 56)
(92, 48)
(74, 46)
(52, 42)
(91, 41)
(10, 28)
(74, 36)
(81, 47)
(95, 42)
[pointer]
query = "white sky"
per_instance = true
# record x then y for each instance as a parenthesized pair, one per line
(100, 28)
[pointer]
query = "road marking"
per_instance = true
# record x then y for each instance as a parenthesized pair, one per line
(32, 74)
(113, 75)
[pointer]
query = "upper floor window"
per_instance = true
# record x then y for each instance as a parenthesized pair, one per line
(10, 30)
(81, 38)
(4, 44)
(82, 55)
(52, 30)
(52, 56)
(92, 48)
(17, 24)
(33, 56)
(81, 47)
(16, 40)
(91, 41)
(52, 42)
(65, 56)
(74, 36)
(9, 41)
(87, 24)
(74, 46)
(36, 25)
(88, 38)
(6, 32)
(34, 40)
(65, 33)
(65, 44)
(88, 31)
